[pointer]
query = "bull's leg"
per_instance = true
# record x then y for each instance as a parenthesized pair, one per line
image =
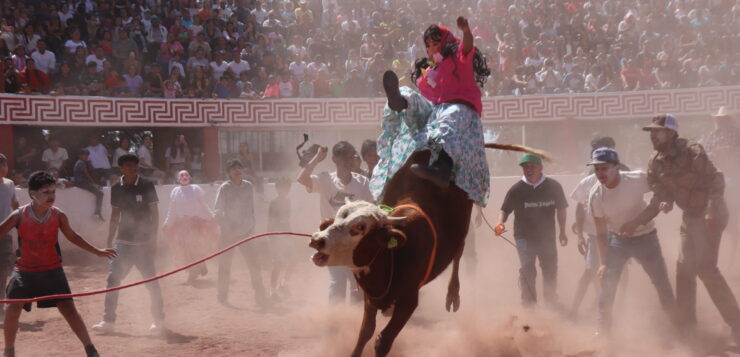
(453, 290)
(367, 329)
(403, 310)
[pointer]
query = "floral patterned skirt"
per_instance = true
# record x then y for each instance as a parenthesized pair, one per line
(454, 128)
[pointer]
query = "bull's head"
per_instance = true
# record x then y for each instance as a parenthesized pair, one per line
(356, 235)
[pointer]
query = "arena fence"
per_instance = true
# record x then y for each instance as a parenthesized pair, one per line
(332, 112)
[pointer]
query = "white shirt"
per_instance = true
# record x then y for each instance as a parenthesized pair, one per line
(623, 203)
(238, 68)
(286, 89)
(45, 62)
(116, 154)
(98, 61)
(298, 69)
(332, 192)
(7, 197)
(71, 46)
(580, 194)
(99, 156)
(187, 201)
(534, 184)
(54, 159)
(145, 156)
(219, 69)
(260, 15)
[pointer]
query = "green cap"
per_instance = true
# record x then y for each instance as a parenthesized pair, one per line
(530, 158)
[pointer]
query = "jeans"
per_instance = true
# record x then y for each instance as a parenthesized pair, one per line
(338, 278)
(95, 191)
(141, 256)
(646, 250)
(529, 251)
(251, 253)
(698, 258)
(7, 260)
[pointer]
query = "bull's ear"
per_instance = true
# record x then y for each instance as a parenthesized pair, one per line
(394, 238)
(326, 223)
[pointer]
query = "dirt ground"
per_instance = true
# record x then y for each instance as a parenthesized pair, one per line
(490, 322)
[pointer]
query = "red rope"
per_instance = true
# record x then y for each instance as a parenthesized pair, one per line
(69, 296)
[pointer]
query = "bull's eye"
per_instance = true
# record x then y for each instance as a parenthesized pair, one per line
(360, 227)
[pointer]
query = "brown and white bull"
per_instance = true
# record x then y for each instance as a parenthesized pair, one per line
(391, 254)
(394, 255)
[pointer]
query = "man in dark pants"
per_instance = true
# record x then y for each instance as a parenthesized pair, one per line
(135, 216)
(535, 200)
(680, 172)
(84, 180)
(235, 213)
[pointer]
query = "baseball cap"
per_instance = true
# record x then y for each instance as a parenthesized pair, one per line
(604, 155)
(530, 158)
(665, 121)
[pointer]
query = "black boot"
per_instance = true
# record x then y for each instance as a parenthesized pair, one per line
(439, 172)
(390, 84)
(91, 351)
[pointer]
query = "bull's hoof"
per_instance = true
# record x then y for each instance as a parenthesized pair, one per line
(382, 346)
(453, 302)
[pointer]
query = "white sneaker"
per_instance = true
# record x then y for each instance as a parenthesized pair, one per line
(157, 327)
(104, 326)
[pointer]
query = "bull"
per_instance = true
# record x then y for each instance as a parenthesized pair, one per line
(392, 255)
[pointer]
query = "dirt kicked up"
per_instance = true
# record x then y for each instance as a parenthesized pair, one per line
(491, 321)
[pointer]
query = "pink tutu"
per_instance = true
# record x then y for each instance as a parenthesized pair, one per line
(191, 238)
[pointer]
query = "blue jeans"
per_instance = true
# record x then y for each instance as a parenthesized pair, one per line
(338, 278)
(529, 251)
(646, 250)
(141, 256)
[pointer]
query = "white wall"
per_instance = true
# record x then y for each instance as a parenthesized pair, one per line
(79, 206)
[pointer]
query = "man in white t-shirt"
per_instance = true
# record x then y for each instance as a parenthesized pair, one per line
(8, 203)
(218, 66)
(99, 158)
(237, 66)
(616, 200)
(98, 58)
(55, 156)
(334, 189)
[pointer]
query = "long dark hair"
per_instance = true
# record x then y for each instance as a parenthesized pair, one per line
(480, 64)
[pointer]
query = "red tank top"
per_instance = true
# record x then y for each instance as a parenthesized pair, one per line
(38, 244)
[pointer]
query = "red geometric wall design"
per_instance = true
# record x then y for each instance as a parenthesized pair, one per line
(144, 112)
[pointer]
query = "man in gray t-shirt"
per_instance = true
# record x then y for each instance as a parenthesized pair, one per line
(8, 203)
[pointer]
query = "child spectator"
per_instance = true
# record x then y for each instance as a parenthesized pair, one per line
(282, 250)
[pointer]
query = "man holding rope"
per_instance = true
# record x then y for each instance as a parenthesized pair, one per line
(135, 217)
(38, 269)
(535, 201)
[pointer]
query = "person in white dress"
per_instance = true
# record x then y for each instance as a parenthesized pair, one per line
(190, 227)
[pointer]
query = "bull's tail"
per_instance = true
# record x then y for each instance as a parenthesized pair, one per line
(521, 148)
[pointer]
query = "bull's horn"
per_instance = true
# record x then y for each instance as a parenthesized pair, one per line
(396, 219)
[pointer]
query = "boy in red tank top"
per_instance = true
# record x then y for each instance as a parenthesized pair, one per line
(38, 268)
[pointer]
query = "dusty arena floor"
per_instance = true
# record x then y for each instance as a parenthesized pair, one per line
(490, 322)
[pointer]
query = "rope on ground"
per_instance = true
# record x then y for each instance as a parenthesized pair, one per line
(121, 287)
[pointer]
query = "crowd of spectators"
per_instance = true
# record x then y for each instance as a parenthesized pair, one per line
(339, 48)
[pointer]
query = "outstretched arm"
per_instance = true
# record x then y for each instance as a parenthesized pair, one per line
(467, 41)
(75, 238)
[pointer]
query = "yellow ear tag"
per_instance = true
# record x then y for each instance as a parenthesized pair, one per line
(392, 243)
